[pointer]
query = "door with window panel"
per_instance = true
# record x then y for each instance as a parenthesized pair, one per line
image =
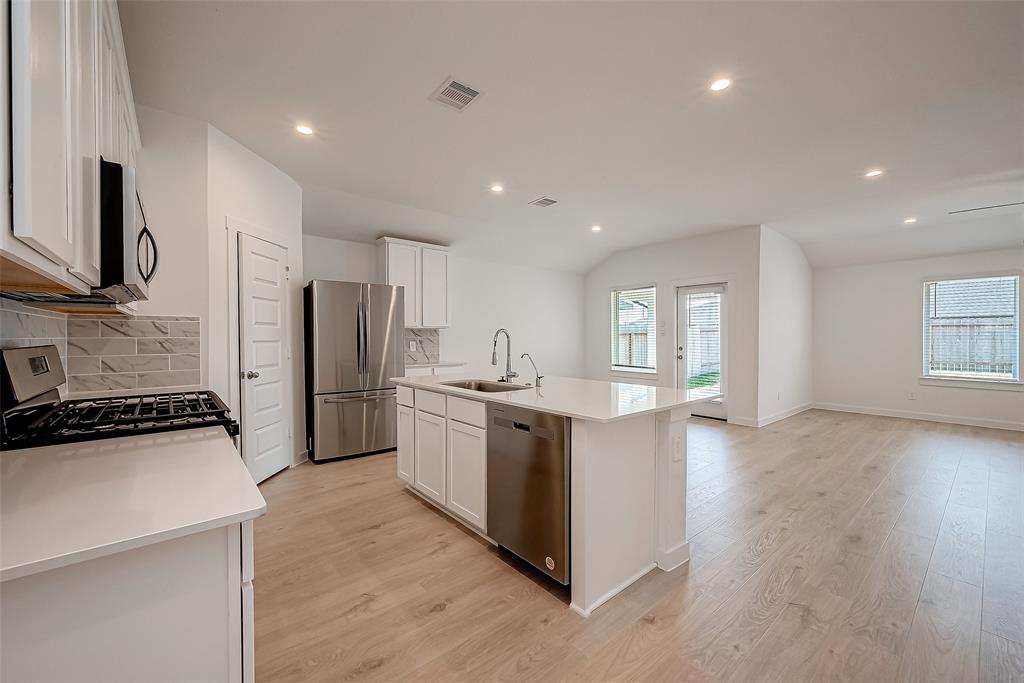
(700, 350)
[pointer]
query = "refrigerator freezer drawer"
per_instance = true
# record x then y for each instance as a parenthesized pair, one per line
(353, 424)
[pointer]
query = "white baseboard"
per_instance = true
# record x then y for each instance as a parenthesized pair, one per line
(783, 415)
(742, 421)
(299, 458)
(673, 559)
(586, 612)
(930, 417)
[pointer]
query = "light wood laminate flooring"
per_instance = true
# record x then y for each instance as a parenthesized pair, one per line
(826, 547)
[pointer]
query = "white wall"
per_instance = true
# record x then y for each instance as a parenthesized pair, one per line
(245, 189)
(867, 342)
(542, 309)
(329, 259)
(785, 329)
(731, 257)
(172, 183)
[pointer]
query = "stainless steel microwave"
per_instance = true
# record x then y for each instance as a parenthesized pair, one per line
(128, 252)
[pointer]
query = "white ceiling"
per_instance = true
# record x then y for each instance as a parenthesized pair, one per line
(604, 107)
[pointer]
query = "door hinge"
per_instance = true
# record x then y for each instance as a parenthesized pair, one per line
(287, 273)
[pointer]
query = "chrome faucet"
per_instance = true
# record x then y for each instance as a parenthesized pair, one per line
(509, 375)
(536, 382)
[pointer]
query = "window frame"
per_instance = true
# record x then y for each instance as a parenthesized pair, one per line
(926, 379)
(626, 370)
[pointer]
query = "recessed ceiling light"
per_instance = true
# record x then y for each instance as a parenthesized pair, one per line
(910, 220)
(305, 130)
(595, 228)
(720, 84)
(874, 173)
(497, 189)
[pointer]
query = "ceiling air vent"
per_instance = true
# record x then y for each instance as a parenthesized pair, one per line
(455, 95)
(543, 201)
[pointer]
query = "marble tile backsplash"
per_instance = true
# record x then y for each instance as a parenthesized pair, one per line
(22, 326)
(110, 354)
(427, 346)
(143, 352)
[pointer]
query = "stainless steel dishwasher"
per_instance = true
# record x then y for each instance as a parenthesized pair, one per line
(528, 486)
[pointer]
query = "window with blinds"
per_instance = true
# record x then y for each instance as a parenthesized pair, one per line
(972, 328)
(634, 335)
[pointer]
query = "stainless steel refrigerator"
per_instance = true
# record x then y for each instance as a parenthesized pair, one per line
(355, 333)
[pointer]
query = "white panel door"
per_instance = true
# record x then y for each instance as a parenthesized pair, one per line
(263, 338)
(406, 443)
(404, 270)
(40, 123)
(430, 455)
(467, 473)
(434, 288)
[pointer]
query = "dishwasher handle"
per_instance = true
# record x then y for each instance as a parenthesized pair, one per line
(524, 428)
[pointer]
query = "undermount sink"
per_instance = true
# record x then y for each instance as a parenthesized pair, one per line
(484, 385)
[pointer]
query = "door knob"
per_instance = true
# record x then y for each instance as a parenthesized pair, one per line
(251, 375)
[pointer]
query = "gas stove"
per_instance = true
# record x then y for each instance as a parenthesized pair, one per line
(33, 414)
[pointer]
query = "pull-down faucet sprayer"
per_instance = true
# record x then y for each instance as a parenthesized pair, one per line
(509, 375)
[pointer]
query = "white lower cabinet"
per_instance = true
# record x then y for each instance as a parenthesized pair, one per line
(467, 473)
(406, 444)
(179, 610)
(430, 456)
(442, 452)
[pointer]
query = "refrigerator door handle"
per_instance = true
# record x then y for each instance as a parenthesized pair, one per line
(358, 398)
(360, 341)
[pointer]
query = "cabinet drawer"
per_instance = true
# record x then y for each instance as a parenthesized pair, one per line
(405, 397)
(470, 412)
(430, 402)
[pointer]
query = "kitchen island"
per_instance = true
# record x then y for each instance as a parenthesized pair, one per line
(627, 472)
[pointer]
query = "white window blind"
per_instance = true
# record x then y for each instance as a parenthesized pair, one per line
(972, 328)
(634, 333)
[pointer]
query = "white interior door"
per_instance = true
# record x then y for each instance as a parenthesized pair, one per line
(700, 353)
(263, 340)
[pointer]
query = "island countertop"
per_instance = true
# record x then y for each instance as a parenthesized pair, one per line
(583, 399)
(73, 502)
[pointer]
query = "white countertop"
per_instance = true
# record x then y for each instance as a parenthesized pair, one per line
(65, 504)
(438, 364)
(583, 399)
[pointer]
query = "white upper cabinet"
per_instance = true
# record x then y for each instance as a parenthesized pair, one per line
(403, 269)
(84, 158)
(434, 286)
(423, 270)
(42, 125)
(70, 103)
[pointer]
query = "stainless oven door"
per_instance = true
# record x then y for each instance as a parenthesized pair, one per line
(353, 423)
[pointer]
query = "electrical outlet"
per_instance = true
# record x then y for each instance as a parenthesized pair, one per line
(412, 345)
(911, 395)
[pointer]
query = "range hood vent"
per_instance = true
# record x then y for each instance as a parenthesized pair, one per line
(456, 95)
(543, 201)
